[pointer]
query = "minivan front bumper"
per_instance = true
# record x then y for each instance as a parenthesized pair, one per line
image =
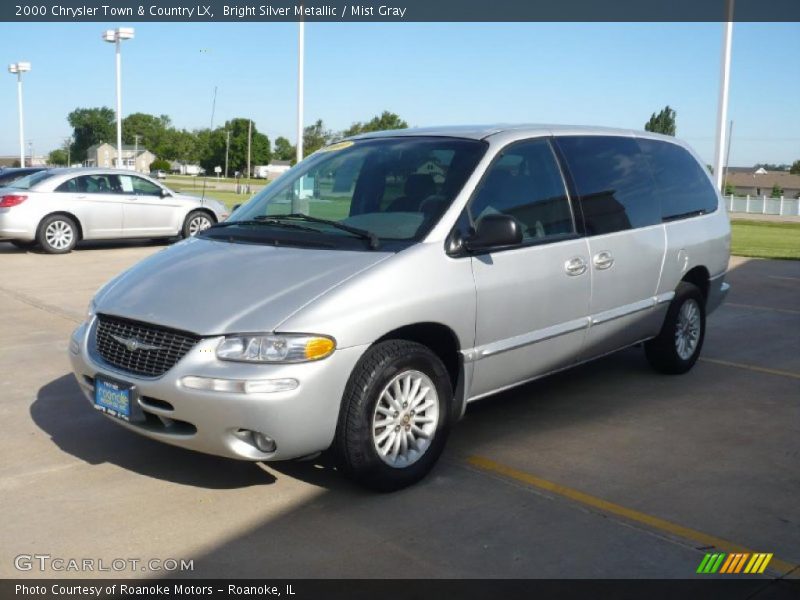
(301, 421)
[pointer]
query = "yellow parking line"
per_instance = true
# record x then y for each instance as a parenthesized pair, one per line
(788, 311)
(704, 539)
(756, 368)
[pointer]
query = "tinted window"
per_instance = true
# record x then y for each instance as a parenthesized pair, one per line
(613, 181)
(92, 184)
(682, 183)
(525, 182)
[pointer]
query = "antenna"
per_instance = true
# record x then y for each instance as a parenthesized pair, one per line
(211, 127)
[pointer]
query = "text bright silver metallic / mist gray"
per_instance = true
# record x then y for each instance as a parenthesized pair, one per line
(513, 313)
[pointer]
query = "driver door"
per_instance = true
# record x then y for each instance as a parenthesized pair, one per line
(532, 300)
(146, 210)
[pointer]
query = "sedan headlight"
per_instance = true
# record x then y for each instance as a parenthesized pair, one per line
(274, 348)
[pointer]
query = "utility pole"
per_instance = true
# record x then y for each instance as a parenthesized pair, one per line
(227, 148)
(249, 134)
(724, 83)
(135, 150)
(30, 152)
(727, 155)
(68, 144)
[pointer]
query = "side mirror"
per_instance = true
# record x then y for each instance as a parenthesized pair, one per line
(165, 192)
(494, 231)
(235, 207)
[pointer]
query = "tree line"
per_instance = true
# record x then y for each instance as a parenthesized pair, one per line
(204, 146)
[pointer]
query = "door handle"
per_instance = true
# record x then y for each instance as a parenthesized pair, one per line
(603, 260)
(575, 266)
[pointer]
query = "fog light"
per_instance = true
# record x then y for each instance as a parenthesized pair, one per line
(263, 442)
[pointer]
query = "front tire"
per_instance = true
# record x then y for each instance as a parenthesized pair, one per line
(395, 416)
(195, 222)
(57, 234)
(678, 345)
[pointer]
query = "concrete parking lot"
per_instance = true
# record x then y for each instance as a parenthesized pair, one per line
(608, 470)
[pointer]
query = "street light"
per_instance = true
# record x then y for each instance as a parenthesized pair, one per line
(116, 37)
(18, 69)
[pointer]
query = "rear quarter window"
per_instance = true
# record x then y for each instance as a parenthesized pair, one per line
(613, 181)
(682, 184)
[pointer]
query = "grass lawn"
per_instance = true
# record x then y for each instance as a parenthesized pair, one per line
(765, 239)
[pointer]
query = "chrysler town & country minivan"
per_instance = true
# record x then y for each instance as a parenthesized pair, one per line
(363, 299)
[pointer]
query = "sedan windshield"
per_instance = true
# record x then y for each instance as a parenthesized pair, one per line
(379, 189)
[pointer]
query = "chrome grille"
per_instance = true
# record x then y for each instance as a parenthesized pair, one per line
(159, 348)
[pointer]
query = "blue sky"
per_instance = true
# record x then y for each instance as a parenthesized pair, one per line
(429, 73)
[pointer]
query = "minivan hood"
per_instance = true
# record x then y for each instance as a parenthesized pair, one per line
(211, 287)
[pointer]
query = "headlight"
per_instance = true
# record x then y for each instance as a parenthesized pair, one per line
(287, 348)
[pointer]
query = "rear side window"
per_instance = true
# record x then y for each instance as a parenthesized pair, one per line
(613, 181)
(525, 182)
(683, 186)
(92, 184)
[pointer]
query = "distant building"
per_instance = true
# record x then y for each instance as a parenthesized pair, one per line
(180, 168)
(759, 182)
(30, 161)
(105, 155)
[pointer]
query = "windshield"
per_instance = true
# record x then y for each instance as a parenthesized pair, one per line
(390, 188)
(27, 182)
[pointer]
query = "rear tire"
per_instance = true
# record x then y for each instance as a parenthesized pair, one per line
(678, 345)
(195, 222)
(57, 234)
(395, 416)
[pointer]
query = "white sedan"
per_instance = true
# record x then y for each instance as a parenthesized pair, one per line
(56, 208)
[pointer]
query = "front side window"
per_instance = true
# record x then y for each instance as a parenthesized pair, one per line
(393, 188)
(141, 187)
(525, 182)
(683, 185)
(92, 184)
(614, 184)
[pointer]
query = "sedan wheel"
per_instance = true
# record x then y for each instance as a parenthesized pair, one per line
(195, 223)
(57, 234)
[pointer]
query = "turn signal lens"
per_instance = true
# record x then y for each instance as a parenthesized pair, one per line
(320, 347)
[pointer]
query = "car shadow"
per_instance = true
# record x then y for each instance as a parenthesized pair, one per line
(9, 248)
(61, 411)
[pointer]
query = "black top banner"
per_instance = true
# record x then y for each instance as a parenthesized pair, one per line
(399, 10)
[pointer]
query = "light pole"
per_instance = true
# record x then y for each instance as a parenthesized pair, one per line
(18, 69)
(724, 82)
(116, 36)
(300, 59)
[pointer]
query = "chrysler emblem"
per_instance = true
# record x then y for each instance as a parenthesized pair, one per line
(132, 344)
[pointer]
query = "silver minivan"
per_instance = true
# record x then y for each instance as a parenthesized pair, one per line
(363, 299)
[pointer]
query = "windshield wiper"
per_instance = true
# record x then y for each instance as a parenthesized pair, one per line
(263, 220)
(364, 234)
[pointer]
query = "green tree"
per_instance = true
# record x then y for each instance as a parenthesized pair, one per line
(212, 146)
(663, 122)
(795, 168)
(315, 137)
(160, 164)
(58, 157)
(383, 122)
(284, 149)
(90, 126)
(777, 191)
(152, 131)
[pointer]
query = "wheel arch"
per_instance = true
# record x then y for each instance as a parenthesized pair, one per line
(443, 342)
(700, 277)
(63, 213)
